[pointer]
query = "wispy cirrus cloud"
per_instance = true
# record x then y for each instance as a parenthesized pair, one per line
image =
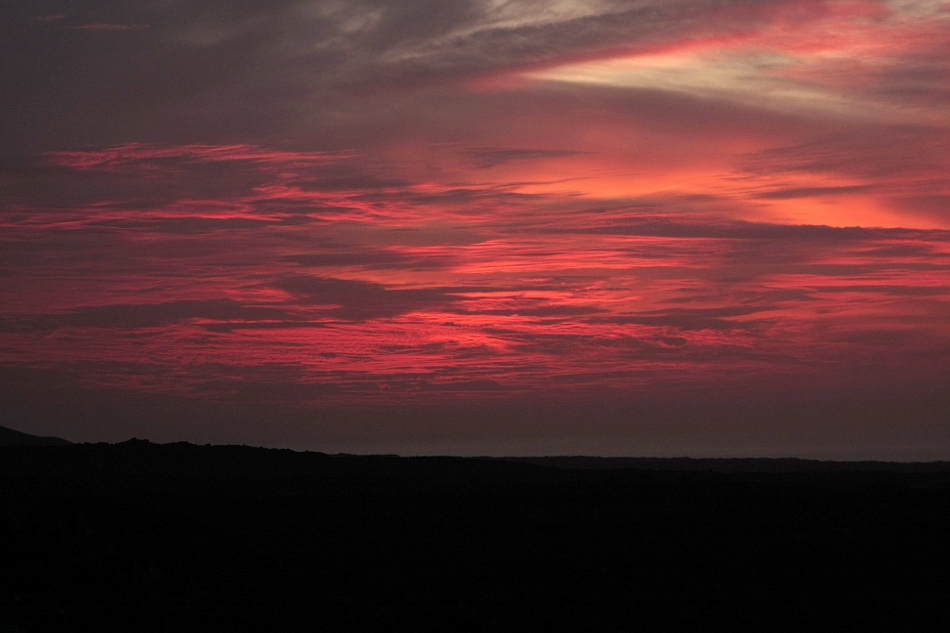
(543, 294)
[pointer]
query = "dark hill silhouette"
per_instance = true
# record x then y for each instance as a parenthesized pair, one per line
(11, 437)
(729, 465)
(141, 536)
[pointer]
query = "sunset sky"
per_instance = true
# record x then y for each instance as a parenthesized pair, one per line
(657, 227)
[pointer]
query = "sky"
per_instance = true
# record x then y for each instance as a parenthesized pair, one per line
(644, 227)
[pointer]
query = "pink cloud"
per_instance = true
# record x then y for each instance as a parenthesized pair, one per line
(370, 305)
(729, 198)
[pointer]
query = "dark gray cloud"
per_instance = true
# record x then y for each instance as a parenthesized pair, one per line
(865, 151)
(140, 182)
(547, 312)
(905, 166)
(921, 80)
(207, 70)
(655, 223)
(134, 316)
(371, 259)
(897, 291)
(188, 226)
(811, 192)
(101, 26)
(354, 300)
(935, 205)
(486, 157)
(690, 318)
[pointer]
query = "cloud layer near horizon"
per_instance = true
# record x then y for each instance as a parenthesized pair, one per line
(345, 204)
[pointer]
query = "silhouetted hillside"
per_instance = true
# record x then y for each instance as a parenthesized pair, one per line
(139, 536)
(729, 465)
(10, 437)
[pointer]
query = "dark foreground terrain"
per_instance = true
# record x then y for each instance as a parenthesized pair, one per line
(139, 536)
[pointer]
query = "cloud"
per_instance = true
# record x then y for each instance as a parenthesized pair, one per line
(355, 300)
(135, 316)
(868, 151)
(811, 192)
(893, 164)
(99, 26)
(404, 259)
(377, 204)
(185, 180)
(149, 158)
(488, 38)
(486, 157)
(199, 59)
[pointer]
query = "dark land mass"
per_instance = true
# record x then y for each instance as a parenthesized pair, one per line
(11, 437)
(177, 537)
(731, 464)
